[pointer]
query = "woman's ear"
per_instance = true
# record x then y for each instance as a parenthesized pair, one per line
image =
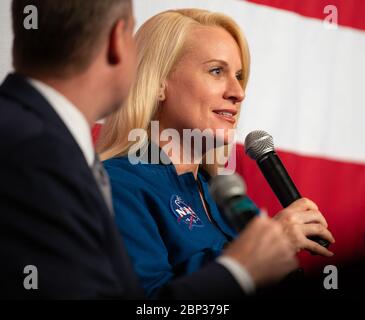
(162, 92)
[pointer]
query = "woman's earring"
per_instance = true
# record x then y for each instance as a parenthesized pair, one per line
(161, 96)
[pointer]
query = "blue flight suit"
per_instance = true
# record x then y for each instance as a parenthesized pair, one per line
(162, 220)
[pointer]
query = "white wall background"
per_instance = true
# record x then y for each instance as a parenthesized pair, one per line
(5, 38)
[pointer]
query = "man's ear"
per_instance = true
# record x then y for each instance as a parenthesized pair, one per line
(116, 44)
(162, 92)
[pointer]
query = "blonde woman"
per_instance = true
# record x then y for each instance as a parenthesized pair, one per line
(193, 67)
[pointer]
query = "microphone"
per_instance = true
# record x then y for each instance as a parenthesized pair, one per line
(259, 146)
(229, 192)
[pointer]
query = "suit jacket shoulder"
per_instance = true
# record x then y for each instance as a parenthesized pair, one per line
(17, 124)
(52, 214)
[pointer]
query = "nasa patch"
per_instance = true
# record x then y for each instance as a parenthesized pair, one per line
(184, 213)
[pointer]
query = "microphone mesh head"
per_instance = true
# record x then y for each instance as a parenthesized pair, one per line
(225, 187)
(258, 143)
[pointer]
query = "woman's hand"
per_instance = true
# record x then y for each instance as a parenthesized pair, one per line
(301, 220)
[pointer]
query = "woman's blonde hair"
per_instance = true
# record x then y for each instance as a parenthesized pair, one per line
(160, 43)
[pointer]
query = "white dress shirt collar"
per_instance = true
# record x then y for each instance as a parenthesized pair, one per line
(74, 120)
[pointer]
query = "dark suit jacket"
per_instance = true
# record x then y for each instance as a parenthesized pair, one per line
(53, 216)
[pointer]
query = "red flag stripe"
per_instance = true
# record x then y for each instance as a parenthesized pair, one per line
(95, 132)
(351, 13)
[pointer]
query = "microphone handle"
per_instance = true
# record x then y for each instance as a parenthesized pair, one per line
(282, 185)
(239, 211)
